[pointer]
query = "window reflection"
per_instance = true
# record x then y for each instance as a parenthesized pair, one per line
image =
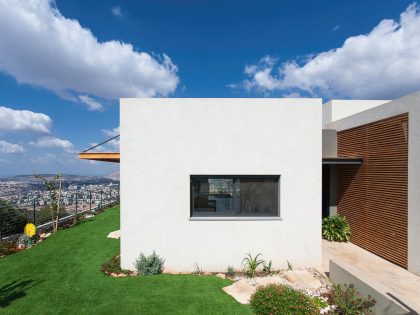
(234, 196)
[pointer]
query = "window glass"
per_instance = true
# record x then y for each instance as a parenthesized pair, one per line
(224, 195)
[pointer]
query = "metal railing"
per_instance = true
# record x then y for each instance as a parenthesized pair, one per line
(14, 216)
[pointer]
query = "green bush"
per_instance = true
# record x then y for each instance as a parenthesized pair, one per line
(279, 299)
(349, 302)
(25, 241)
(44, 214)
(336, 229)
(13, 219)
(149, 265)
(113, 265)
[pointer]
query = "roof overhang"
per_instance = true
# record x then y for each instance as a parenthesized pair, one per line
(342, 160)
(113, 157)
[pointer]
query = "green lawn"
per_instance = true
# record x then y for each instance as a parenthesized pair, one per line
(61, 275)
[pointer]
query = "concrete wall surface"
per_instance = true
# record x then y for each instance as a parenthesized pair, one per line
(387, 302)
(164, 141)
(339, 109)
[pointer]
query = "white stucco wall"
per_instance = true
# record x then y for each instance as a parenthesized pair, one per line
(408, 104)
(164, 141)
(339, 109)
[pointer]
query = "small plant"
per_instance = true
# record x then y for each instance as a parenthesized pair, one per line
(279, 299)
(24, 241)
(251, 264)
(150, 265)
(336, 229)
(289, 266)
(197, 270)
(113, 265)
(322, 304)
(267, 267)
(7, 248)
(230, 272)
(349, 302)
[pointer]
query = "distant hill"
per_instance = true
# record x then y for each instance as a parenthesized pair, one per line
(114, 176)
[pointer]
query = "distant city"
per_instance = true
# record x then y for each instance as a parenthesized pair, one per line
(26, 191)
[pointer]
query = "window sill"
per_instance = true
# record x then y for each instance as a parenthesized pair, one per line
(235, 219)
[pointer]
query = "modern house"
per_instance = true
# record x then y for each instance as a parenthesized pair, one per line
(205, 181)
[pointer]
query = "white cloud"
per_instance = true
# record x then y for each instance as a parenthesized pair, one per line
(7, 147)
(114, 145)
(91, 103)
(45, 159)
(40, 46)
(382, 64)
(52, 142)
(116, 10)
(110, 146)
(112, 132)
(16, 120)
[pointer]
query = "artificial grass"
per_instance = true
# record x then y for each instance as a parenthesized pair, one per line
(62, 276)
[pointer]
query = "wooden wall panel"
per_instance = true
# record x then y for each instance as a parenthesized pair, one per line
(373, 196)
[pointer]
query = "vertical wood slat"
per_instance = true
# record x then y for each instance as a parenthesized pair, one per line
(373, 196)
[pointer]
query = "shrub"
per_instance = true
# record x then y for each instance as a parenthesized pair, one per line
(7, 248)
(230, 271)
(113, 265)
(25, 241)
(289, 266)
(336, 229)
(150, 265)
(281, 299)
(251, 264)
(13, 219)
(44, 214)
(349, 302)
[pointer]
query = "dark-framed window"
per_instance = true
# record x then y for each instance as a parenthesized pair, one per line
(235, 195)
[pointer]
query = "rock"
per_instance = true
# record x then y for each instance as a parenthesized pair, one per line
(242, 289)
(115, 234)
(303, 278)
(117, 275)
(221, 275)
(44, 235)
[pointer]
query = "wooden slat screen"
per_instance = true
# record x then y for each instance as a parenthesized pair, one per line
(373, 196)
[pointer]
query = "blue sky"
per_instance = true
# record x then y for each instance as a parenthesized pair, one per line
(64, 64)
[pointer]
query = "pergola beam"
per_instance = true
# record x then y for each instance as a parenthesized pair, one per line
(113, 157)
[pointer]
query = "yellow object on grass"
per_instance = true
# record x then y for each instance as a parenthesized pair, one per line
(30, 229)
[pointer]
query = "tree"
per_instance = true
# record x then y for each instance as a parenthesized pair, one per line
(53, 187)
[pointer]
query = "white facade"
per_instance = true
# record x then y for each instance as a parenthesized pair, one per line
(164, 141)
(339, 109)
